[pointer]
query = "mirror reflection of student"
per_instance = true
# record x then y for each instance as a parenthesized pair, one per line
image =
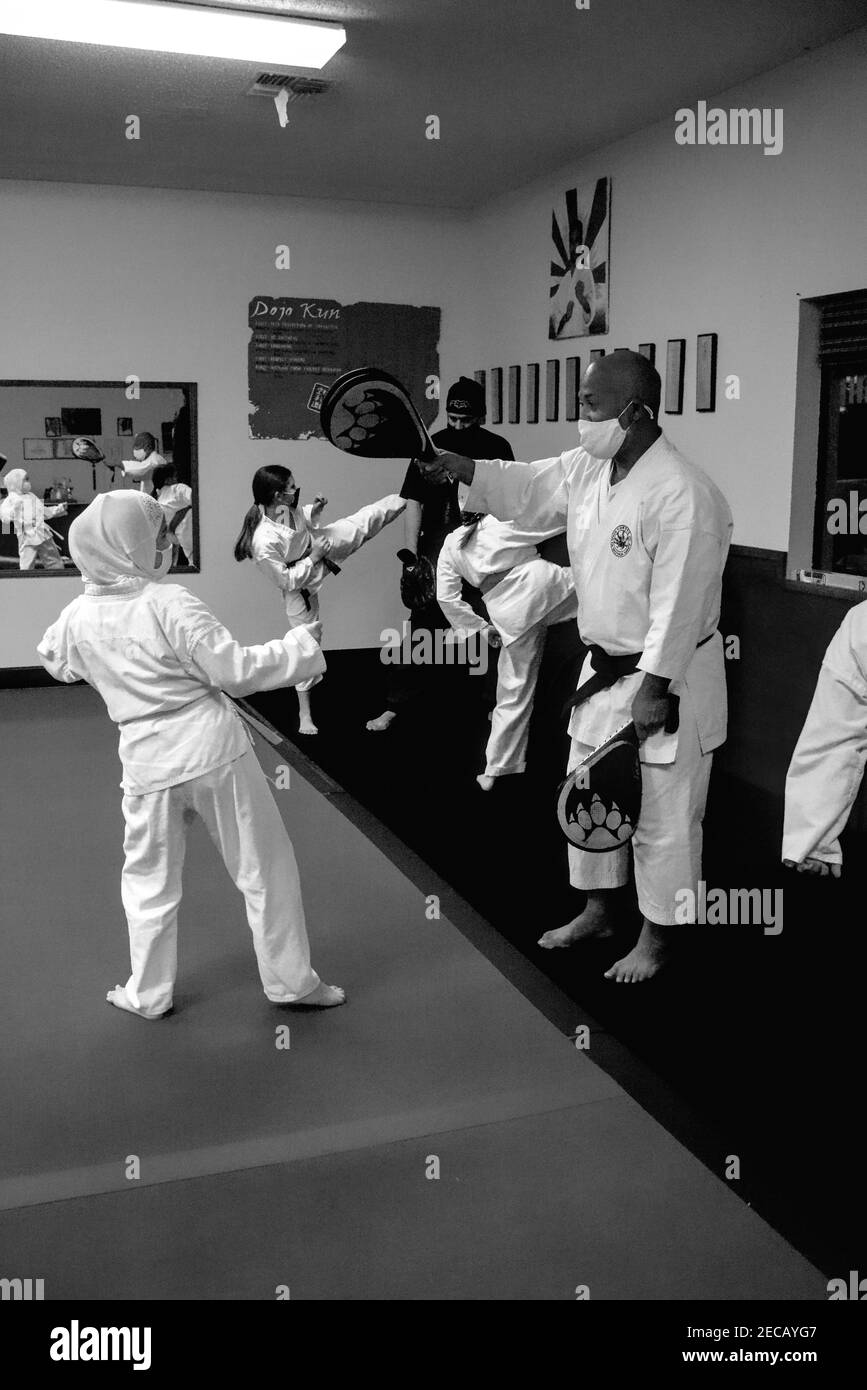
(433, 510)
(145, 459)
(176, 500)
(26, 514)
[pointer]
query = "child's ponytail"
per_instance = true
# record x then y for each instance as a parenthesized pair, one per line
(244, 543)
(268, 483)
(469, 527)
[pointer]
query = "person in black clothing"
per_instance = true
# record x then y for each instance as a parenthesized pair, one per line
(432, 511)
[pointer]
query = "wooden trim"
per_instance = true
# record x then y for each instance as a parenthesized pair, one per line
(753, 552)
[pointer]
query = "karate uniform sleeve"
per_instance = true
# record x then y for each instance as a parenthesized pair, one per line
(533, 495)
(270, 561)
(137, 468)
(449, 587)
(54, 653)
(686, 573)
(828, 762)
(220, 661)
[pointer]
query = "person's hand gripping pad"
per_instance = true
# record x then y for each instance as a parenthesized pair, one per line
(599, 803)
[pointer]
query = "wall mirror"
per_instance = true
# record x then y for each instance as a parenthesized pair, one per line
(40, 422)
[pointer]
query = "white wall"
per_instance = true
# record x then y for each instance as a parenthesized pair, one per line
(716, 239)
(97, 283)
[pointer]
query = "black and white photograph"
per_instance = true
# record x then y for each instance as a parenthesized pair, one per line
(433, 820)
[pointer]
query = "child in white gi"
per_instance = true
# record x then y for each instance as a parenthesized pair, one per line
(524, 595)
(828, 762)
(176, 500)
(161, 662)
(26, 513)
(292, 550)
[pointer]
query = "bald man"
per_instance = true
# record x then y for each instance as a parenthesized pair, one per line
(648, 534)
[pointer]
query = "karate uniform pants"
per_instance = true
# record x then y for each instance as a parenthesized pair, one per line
(45, 553)
(517, 673)
(346, 535)
(666, 846)
(236, 805)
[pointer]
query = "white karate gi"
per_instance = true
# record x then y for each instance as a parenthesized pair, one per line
(828, 762)
(26, 514)
(530, 597)
(174, 498)
(142, 470)
(647, 558)
(161, 662)
(281, 551)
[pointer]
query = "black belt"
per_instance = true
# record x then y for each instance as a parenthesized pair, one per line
(490, 581)
(608, 670)
(305, 593)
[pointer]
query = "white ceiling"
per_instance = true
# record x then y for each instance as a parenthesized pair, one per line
(520, 86)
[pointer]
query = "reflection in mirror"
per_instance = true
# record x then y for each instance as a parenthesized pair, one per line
(63, 442)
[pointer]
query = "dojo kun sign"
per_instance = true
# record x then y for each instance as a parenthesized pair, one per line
(739, 126)
(423, 648)
(721, 907)
(277, 311)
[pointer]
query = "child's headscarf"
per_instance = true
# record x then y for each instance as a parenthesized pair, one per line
(14, 480)
(115, 537)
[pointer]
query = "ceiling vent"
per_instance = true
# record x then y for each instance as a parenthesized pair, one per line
(268, 84)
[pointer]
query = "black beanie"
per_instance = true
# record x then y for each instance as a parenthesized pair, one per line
(466, 397)
(145, 441)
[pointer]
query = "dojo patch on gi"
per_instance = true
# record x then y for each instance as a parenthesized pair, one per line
(621, 541)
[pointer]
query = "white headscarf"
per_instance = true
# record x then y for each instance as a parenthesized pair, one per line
(14, 480)
(115, 538)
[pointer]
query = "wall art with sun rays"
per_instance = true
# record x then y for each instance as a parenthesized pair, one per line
(581, 246)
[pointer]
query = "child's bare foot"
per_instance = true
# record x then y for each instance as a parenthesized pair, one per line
(486, 783)
(323, 997)
(306, 726)
(593, 921)
(118, 997)
(382, 721)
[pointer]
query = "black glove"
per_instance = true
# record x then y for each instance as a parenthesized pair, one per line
(417, 581)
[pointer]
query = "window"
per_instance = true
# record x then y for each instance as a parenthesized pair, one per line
(840, 531)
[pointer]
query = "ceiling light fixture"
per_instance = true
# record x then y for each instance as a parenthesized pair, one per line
(168, 28)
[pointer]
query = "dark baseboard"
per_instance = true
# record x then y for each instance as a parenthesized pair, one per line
(754, 552)
(23, 677)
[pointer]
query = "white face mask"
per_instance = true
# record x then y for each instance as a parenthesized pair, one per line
(165, 564)
(602, 439)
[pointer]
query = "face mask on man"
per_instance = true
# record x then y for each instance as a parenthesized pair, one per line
(602, 439)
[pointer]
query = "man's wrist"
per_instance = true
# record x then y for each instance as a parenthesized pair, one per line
(655, 685)
(460, 468)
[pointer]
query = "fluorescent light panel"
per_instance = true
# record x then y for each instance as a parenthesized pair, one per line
(159, 28)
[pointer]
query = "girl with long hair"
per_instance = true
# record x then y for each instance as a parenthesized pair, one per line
(296, 553)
